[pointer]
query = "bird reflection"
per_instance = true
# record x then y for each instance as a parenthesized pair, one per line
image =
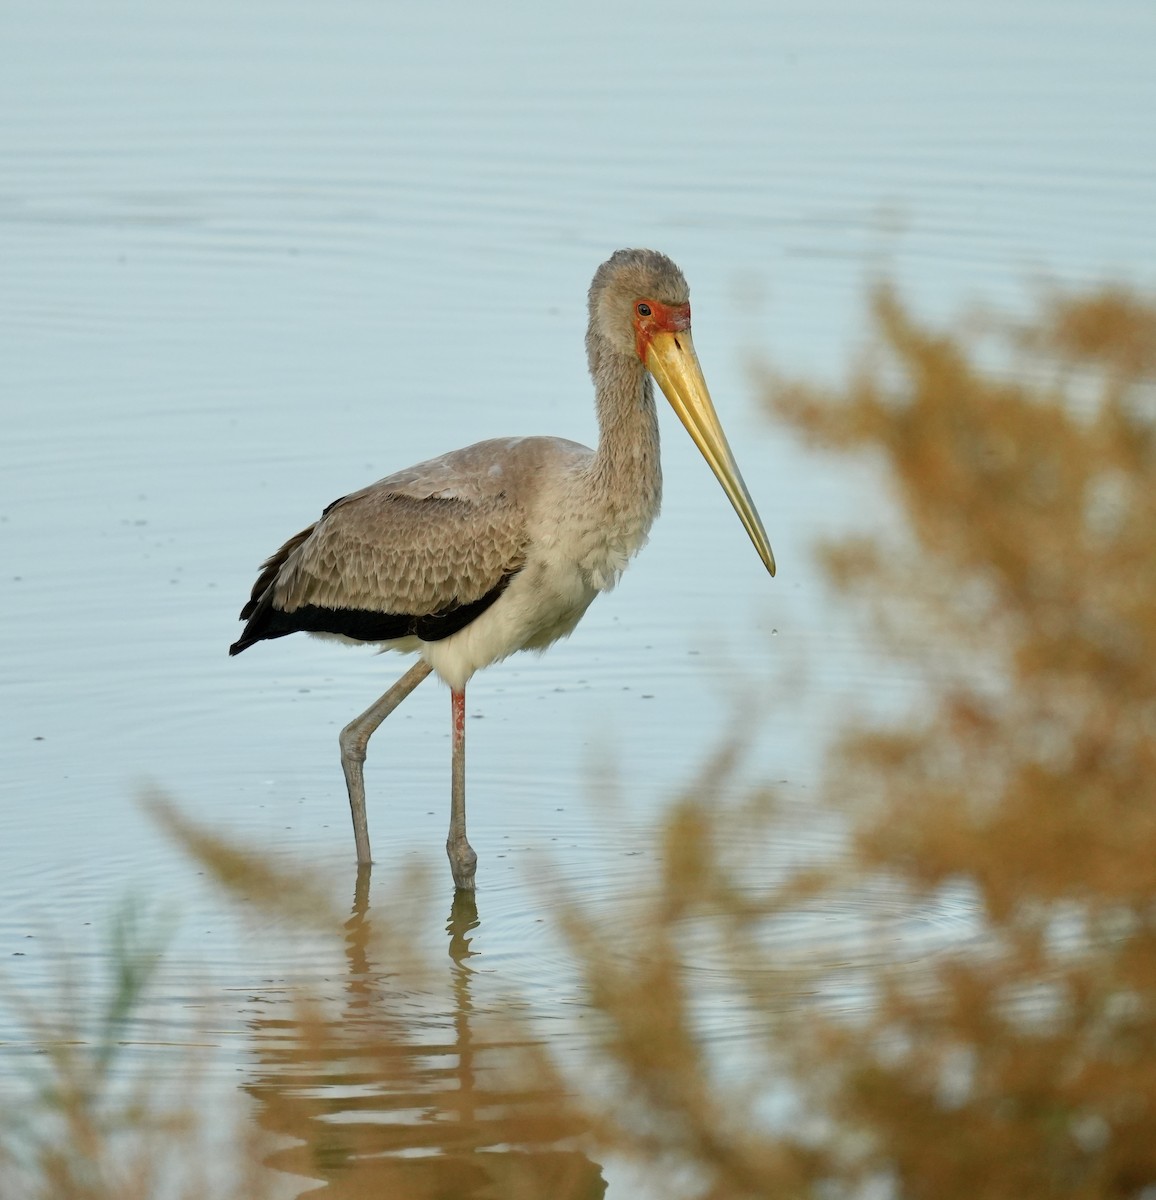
(397, 1095)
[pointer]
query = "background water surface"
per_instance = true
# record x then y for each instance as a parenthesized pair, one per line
(254, 256)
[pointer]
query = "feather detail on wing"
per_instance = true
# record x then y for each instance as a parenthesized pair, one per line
(381, 564)
(420, 553)
(383, 552)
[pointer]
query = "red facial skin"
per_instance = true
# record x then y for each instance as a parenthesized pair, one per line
(664, 318)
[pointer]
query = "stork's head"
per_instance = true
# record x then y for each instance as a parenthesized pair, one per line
(640, 307)
(635, 294)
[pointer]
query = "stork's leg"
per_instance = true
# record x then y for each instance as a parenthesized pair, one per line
(354, 739)
(463, 860)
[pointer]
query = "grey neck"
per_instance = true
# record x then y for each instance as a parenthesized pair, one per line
(626, 473)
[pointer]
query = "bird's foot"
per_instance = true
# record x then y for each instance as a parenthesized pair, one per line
(463, 863)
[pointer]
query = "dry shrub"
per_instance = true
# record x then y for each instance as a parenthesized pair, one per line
(1028, 1069)
(85, 1117)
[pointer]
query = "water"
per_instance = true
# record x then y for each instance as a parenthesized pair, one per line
(254, 257)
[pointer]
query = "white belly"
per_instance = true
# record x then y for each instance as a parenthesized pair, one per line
(542, 604)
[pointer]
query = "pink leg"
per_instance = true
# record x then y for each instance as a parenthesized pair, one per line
(463, 860)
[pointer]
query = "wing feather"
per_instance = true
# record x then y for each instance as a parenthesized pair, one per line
(379, 551)
(422, 552)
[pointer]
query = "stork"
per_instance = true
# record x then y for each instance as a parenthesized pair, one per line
(501, 546)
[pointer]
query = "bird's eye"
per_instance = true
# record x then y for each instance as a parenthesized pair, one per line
(643, 310)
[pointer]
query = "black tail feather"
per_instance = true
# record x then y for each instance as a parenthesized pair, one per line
(362, 625)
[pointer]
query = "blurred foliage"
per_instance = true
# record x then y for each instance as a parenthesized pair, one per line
(81, 1119)
(1021, 582)
(1025, 1067)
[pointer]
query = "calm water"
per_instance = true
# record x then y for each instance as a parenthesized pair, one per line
(253, 257)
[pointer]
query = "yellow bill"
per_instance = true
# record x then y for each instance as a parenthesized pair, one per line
(671, 359)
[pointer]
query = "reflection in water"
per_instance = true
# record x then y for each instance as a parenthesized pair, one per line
(394, 1096)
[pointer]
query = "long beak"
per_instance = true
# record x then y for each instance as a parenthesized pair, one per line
(672, 361)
